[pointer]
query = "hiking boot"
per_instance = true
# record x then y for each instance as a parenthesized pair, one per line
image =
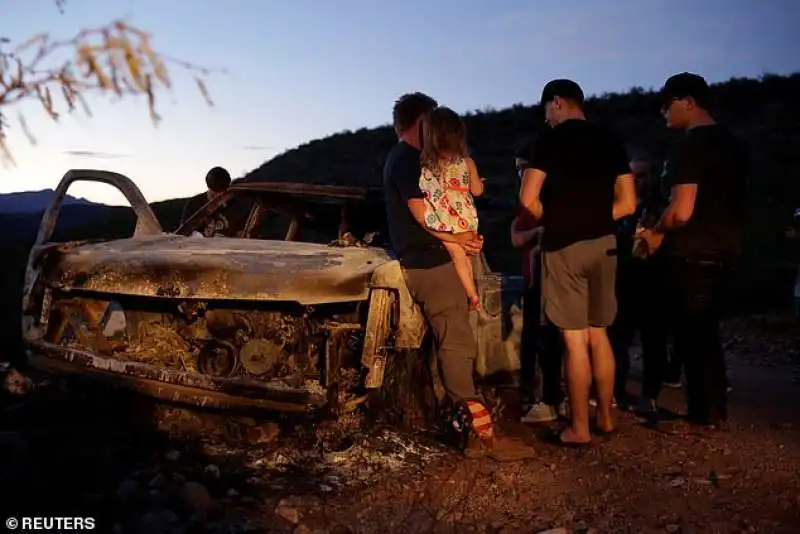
(475, 447)
(540, 413)
(505, 449)
(499, 448)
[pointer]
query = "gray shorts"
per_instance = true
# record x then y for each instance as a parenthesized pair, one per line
(579, 284)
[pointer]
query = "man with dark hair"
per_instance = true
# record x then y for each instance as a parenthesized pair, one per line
(588, 187)
(628, 287)
(434, 284)
(641, 297)
(539, 346)
(707, 172)
(218, 180)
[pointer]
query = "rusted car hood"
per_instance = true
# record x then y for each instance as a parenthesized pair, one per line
(173, 266)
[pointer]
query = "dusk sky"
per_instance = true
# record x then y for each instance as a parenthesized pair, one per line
(299, 70)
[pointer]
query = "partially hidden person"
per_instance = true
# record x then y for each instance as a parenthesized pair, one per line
(540, 346)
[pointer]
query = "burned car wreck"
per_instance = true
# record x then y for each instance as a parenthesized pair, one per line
(249, 321)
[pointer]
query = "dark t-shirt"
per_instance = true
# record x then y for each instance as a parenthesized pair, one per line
(414, 246)
(582, 161)
(714, 159)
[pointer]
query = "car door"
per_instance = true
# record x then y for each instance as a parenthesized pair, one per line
(498, 336)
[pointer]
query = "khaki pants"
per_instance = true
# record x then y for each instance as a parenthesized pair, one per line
(443, 300)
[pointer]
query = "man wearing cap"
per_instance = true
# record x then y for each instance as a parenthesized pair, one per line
(578, 183)
(701, 231)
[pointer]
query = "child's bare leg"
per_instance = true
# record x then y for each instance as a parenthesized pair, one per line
(463, 266)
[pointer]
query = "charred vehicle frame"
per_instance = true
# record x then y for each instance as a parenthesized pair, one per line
(225, 322)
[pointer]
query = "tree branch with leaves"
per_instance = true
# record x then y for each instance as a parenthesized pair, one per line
(117, 59)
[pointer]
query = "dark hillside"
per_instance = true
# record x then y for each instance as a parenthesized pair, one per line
(34, 201)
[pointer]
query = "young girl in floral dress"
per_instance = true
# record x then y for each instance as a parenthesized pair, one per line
(449, 181)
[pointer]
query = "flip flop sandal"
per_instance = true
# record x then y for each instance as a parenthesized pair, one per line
(553, 437)
(605, 434)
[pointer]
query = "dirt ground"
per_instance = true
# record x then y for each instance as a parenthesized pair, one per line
(127, 463)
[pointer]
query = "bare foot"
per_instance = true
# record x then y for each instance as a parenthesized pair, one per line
(604, 424)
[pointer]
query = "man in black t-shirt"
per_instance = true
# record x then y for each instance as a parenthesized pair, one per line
(578, 183)
(701, 231)
(434, 284)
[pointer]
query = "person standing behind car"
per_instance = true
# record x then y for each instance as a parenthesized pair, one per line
(641, 284)
(218, 180)
(539, 346)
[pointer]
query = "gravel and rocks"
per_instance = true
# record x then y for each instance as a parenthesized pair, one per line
(139, 467)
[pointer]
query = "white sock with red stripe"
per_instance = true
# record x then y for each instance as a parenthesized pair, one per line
(481, 420)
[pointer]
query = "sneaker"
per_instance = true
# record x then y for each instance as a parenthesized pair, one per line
(540, 413)
(593, 402)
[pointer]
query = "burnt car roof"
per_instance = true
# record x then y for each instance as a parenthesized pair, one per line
(307, 190)
(292, 199)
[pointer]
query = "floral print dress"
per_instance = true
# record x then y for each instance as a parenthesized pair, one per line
(449, 206)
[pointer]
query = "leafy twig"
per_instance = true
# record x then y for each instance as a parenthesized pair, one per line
(117, 58)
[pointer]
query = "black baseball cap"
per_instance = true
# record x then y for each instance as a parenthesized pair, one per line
(684, 85)
(563, 88)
